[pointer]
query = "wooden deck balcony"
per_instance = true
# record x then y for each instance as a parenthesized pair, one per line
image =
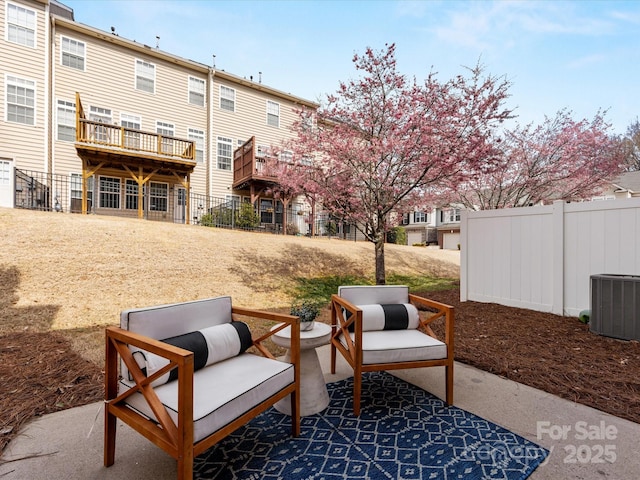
(141, 156)
(249, 167)
(128, 144)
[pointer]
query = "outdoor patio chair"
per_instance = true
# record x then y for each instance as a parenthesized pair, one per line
(186, 380)
(387, 328)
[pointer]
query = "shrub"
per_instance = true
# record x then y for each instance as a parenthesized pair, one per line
(292, 229)
(206, 220)
(246, 216)
(397, 235)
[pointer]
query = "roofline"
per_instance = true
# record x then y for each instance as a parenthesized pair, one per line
(200, 67)
(264, 88)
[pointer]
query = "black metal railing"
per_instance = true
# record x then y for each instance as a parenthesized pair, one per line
(63, 193)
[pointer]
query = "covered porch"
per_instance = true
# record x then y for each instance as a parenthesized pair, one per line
(251, 172)
(135, 155)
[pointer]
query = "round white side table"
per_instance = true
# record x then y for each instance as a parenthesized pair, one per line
(313, 391)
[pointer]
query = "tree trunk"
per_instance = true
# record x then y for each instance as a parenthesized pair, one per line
(380, 274)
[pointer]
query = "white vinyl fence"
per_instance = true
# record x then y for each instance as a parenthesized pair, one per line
(542, 257)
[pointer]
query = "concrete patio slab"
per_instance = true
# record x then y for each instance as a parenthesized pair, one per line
(585, 443)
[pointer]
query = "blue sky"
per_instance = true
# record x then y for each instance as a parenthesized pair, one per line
(579, 55)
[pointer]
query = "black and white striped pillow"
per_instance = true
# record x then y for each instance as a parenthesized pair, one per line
(395, 316)
(209, 345)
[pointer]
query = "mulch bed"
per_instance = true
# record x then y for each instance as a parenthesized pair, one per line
(41, 374)
(552, 353)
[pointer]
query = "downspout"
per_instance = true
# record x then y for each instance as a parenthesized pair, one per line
(208, 160)
(48, 82)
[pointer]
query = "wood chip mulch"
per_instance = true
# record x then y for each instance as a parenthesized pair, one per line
(552, 353)
(40, 373)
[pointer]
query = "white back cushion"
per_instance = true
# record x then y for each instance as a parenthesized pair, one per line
(164, 321)
(370, 294)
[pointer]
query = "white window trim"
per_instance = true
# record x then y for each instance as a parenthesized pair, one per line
(204, 91)
(135, 76)
(131, 139)
(226, 141)
(84, 57)
(6, 99)
(35, 24)
(197, 134)
(153, 185)
(166, 126)
(221, 98)
(168, 144)
(271, 102)
(67, 106)
(119, 194)
(102, 115)
(130, 116)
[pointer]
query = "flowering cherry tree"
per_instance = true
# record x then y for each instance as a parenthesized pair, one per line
(630, 144)
(383, 140)
(559, 159)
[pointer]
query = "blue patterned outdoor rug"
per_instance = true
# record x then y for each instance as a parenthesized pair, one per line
(403, 432)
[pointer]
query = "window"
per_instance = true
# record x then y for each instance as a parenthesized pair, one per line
(130, 194)
(21, 25)
(198, 137)
(76, 192)
(232, 201)
(166, 130)
(72, 53)
(158, 196)
(109, 192)
(196, 91)
(405, 219)
(273, 113)
(266, 210)
(286, 156)
(66, 121)
(145, 76)
(131, 122)
(21, 100)
(420, 217)
(100, 115)
(452, 215)
(227, 98)
(307, 120)
(225, 146)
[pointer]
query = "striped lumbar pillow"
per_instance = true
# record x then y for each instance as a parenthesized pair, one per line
(396, 316)
(209, 345)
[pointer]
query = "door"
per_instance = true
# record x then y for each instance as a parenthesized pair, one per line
(451, 241)
(180, 213)
(6, 183)
(414, 237)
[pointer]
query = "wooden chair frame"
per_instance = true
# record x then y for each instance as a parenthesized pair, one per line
(177, 440)
(341, 322)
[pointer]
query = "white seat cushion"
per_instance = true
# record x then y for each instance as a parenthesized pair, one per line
(222, 391)
(391, 346)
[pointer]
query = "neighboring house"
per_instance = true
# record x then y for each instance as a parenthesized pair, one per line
(626, 185)
(440, 226)
(136, 131)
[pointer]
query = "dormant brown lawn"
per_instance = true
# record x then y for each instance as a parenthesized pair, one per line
(75, 273)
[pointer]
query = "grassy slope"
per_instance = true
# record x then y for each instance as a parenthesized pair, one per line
(75, 274)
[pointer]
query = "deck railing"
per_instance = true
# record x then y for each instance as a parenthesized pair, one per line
(114, 136)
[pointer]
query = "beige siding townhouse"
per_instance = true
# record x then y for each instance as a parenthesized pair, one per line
(23, 89)
(133, 130)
